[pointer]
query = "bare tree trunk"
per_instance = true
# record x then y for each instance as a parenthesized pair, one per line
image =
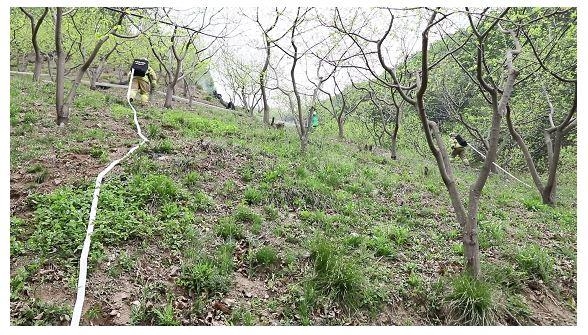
(169, 92)
(95, 75)
(393, 139)
(393, 148)
(548, 194)
(80, 75)
(262, 78)
(62, 115)
(340, 123)
(49, 68)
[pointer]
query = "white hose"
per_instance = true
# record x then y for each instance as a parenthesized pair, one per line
(479, 153)
(77, 312)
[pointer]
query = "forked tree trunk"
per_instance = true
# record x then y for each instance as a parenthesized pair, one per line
(393, 139)
(547, 191)
(34, 32)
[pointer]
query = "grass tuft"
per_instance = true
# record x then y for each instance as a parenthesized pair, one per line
(471, 303)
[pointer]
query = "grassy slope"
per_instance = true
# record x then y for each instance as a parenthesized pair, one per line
(218, 211)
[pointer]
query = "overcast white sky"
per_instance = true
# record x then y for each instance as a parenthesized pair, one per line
(246, 43)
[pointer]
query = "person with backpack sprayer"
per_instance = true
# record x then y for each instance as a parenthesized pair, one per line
(458, 145)
(144, 80)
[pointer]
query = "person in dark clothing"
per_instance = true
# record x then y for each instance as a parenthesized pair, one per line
(458, 145)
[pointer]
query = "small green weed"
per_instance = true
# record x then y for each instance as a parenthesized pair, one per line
(535, 204)
(246, 215)
(165, 146)
(515, 304)
(253, 196)
(353, 240)
(153, 131)
(242, 316)
(271, 213)
(227, 227)
(51, 314)
(165, 316)
(41, 172)
(264, 256)
(204, 276)
(192, 178)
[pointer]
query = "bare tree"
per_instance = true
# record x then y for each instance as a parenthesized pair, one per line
(466, 218)
(95, 73)
(389, 111)
(240, 78)
(554, 134)
(63, 105)
(342, 105)
(302, 120)
(268, 45)
(34, 33)
(183, 43)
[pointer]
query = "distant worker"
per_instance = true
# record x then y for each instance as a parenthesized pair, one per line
(144, 79)
(315, 121)
(458, 145)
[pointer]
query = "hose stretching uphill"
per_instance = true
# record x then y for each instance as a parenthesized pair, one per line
(77, 312)
(522, 182)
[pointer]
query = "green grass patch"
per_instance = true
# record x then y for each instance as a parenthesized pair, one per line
(535, 261)
(335, 275)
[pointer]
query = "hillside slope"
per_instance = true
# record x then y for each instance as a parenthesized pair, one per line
(220, 220)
